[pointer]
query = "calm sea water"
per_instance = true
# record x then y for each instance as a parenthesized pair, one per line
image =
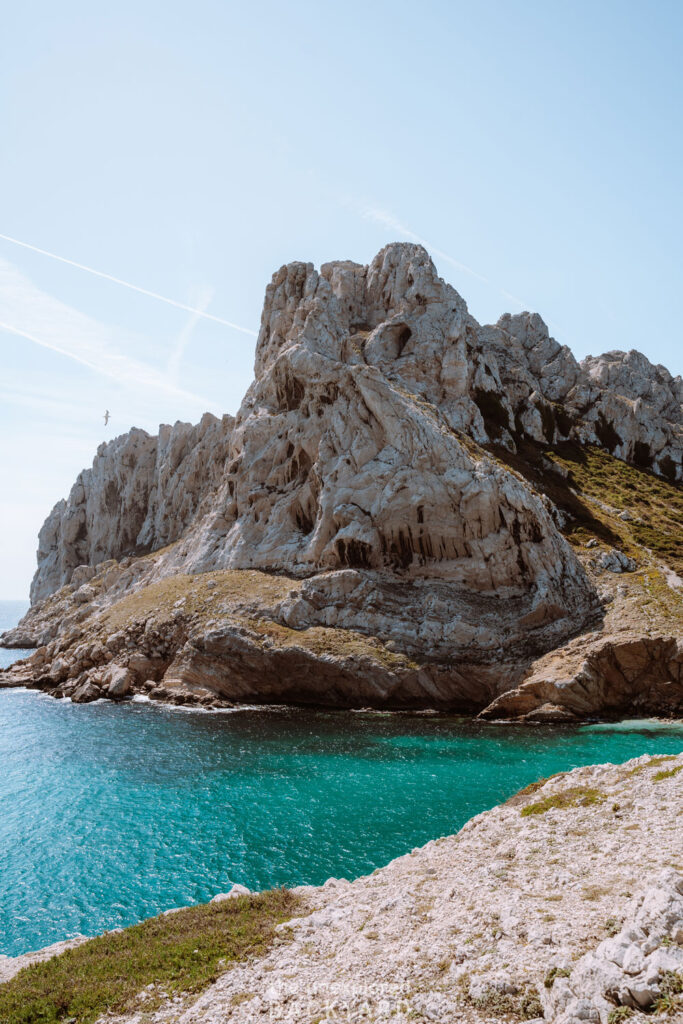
(111, 813)
(10, 613)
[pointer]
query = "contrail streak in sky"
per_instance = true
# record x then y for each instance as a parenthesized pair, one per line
(133, 287)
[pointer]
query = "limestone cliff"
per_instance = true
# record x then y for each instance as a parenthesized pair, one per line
(351, 445)
(368, 460)
(140, 495)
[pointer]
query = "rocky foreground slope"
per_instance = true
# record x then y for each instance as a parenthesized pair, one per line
(564, 904)
(399, 515)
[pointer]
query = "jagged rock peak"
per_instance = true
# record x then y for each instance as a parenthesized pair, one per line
(350, 449)
(499, 382)
(401, 279)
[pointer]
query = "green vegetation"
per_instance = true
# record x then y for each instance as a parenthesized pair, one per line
(594, 487)
(611, 926)
(533, 787)
(555, 972)
(652, 762)
(176, 953)
(322, 640)
(671, 986)
(619, 1014)
(667, 773)
(576, 796)
(525, 1006)
(655, 504)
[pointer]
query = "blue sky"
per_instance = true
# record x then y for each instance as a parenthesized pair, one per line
(192, 148)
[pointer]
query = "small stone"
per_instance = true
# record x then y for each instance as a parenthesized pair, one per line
(237, 890)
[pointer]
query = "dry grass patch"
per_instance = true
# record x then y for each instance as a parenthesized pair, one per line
(228, 588)
(652, 762)
(175, 953)
(597, 488)
(235, 589)
(667, 773)
(533, 787)
(576, 796)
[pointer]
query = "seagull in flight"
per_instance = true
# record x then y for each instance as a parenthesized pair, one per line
(106, 416)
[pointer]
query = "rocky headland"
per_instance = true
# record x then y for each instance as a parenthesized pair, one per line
(408, 510)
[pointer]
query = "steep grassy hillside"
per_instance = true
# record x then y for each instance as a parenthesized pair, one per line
(596, 490)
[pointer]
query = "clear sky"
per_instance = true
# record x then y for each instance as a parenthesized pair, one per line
(191, 148)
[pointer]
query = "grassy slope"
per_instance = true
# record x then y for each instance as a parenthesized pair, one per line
(597, 488)
(231, 591)
(176, 953)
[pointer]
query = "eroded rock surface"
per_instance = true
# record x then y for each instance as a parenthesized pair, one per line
(140, 494)
(615, 675)
(355, 468)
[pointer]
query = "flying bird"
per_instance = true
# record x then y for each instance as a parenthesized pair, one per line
(106, 416)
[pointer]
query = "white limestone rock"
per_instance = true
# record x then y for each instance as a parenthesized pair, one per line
(346, 448)
(630, 969)
(235, 891)
(139, 495)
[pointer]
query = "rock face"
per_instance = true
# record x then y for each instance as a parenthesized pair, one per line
(346, 452)
(619, 400)
(350, 448)
(615, 676)
(355, 464)
(140, 494)
(639, 966)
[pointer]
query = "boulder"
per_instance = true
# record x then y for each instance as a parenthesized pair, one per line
(118, 681)
(86, 692)
(616, 561)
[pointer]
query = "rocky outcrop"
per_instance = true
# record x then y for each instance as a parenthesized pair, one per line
(641, 967)
(350, 446)
(610, 676)
(560, 905)
(364, 465)
(140, 494)
(619, 401)
(348, 638)
(633, 409)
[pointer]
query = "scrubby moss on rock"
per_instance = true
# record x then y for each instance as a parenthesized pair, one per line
(555, 972)
(594, 488)
(667, 773)
(576, 796)
(204, 595)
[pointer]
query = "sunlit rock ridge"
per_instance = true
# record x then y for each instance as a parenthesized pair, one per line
(379, 468)
(350, 446)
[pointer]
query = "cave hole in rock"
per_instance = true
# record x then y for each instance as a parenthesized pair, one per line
(354, 554)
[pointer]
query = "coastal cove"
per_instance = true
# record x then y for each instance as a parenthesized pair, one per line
(111, 813)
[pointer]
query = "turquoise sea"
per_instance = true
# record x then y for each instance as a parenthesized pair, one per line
(10, 613)
(111, 813)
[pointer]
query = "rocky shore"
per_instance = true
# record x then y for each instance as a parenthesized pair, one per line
(564, 904)
(409, 510)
